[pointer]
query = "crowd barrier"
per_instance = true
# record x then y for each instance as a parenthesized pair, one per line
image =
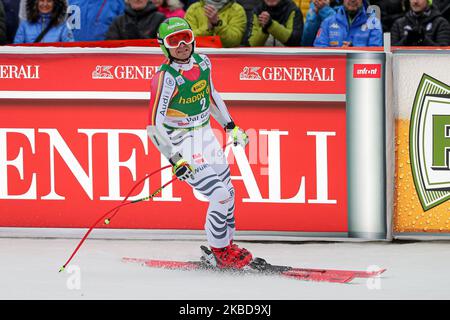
(321, 163)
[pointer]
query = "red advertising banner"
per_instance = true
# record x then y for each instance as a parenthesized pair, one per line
(65, 161)
(132, 73)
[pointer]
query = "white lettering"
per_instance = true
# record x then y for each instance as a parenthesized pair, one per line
(17, 163)
(298, 74)
(114, 163)
(321, 166)
(85, 180)
(19, 72)
(274, 160)
(135, 72)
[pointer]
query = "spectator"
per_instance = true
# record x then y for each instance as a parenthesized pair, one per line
(12, 18)
(170, 8)
(141, 20)
(350, 26)
(91, 19)
(444, 7)
(2, 25)
(276, 23)
(391, 10)
(422, 25)
(46, 22)
(318, 11)
(249, 6)
(224, 18)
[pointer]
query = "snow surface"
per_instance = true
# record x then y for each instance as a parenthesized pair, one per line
(29, 270)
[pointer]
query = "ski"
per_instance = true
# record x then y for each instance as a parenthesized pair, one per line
(258, 266)
(355, 273)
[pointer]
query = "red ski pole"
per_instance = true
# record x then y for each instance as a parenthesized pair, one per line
(116, 210)
(124, 203)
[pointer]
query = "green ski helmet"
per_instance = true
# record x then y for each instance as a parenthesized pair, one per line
(170, 26)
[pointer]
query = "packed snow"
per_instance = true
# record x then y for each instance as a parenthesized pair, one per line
(29, 270)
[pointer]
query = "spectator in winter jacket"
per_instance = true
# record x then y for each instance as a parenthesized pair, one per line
(12, 18)
(391, 10)
(318, 11)
(170, 8)
(422, 25)
(249, 6)
(351, 26)
(141, 20)
(2, 25)
(276, 23)
(223, 18)
(90, 19)
(45, 23)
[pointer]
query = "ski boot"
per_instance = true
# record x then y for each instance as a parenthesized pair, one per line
(241, 252)
(225, 258)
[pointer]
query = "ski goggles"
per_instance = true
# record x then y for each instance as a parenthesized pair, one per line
(175, 39)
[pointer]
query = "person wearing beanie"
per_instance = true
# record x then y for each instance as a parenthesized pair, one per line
(422, 25)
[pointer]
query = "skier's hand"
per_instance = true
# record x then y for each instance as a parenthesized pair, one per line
(181, 168)
(239, 136)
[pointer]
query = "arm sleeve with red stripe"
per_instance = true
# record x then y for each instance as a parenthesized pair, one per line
(161, 92)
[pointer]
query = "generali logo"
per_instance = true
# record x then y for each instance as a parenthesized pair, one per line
(287, 74)
(430, 142)
(318, 181)
(366, 70)
(19, 72)
(124, 72)
(250, 73)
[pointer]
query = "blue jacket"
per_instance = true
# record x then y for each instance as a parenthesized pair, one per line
(28, 32)
(312, 23)
(365, 30)
(90, 19)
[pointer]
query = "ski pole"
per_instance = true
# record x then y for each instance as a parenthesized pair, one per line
(108, 220)
(116, 209)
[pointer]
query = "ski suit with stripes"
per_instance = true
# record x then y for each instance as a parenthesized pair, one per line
(182, 100)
